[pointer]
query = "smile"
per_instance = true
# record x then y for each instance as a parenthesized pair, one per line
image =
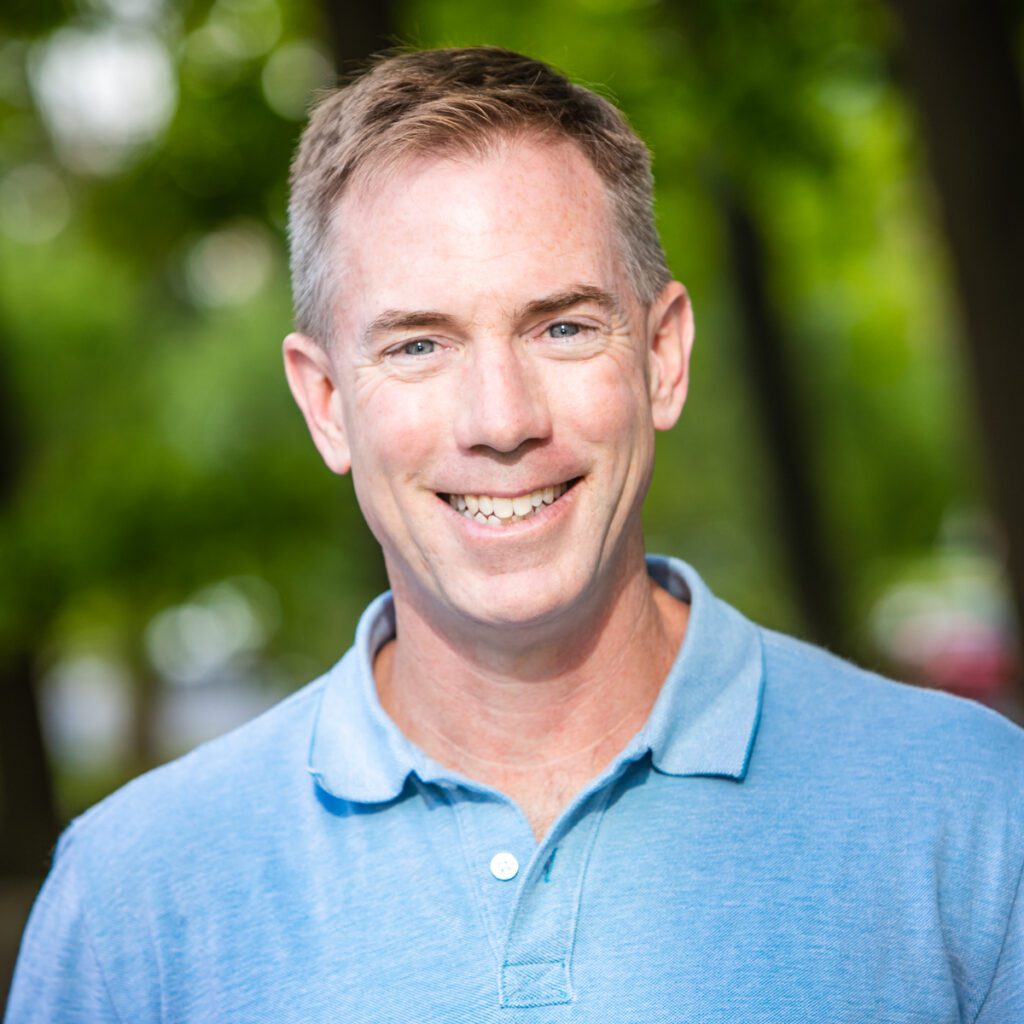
(503, 511)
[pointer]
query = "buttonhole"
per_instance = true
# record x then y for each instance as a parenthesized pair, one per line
(549, 865)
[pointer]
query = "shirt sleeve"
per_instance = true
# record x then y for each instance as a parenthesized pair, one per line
(58, 977)
(1004, 1002)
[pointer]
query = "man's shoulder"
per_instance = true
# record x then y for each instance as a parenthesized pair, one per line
(257, 767)
(845, 713)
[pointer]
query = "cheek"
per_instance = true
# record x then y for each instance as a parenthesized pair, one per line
(389, 446)
(392, 435)
(610, 404)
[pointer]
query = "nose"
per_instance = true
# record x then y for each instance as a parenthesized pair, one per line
(503, 402)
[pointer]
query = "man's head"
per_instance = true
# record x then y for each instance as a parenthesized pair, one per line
(449, 103)
(490, 345)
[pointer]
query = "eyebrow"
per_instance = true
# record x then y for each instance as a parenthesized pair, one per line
(426, 319)
(403, 320)
(561, 301)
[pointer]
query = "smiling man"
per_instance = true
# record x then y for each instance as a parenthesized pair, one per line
(493, 380)
(554, 779)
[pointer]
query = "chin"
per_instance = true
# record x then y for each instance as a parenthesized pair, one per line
(525, 600)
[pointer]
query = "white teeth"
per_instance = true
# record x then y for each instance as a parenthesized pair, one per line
(498, 511)
(522, 505)
(504, 508)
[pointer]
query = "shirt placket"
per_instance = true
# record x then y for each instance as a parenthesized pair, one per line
(536, 967)
(529, 895)
(498, 846)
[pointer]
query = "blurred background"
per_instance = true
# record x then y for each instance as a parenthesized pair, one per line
(840, 184)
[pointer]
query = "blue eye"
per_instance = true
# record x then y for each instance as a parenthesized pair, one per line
(420, 347)
(563, 330)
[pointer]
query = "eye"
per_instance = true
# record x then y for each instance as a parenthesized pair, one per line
(564, 329)
(419, 347)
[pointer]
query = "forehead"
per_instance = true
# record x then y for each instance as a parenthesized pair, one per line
(475, 232)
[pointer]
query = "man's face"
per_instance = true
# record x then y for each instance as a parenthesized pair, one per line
(496, 384)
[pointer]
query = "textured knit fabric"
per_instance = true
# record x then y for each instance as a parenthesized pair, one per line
(788, 839)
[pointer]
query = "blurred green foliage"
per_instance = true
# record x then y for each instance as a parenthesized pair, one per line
(158, 451)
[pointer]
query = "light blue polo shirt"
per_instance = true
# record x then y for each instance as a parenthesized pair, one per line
(787, 839)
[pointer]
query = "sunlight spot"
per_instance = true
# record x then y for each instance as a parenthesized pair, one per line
(103, 93)
(291, 75)
(192, 643)
(229, 266)
(86, 710)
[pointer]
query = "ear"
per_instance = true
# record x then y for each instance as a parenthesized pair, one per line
(670, 329)
(310, 372)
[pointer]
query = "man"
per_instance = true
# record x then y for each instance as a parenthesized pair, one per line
(552, 780)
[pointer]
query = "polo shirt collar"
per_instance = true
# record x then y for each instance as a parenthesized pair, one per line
(703, 722)
(705, 719)
(357, 752)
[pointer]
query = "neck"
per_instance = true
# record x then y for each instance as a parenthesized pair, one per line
(520, 717)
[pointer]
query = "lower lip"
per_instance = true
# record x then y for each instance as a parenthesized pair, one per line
(544, 515)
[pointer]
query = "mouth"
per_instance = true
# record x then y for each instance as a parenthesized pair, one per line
(504, 511)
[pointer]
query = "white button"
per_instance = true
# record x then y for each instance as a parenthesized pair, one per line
(504, 866)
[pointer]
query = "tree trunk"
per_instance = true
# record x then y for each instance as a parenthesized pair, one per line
(961, 69)
(28, 816)
(785, 430)
(357, 29)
